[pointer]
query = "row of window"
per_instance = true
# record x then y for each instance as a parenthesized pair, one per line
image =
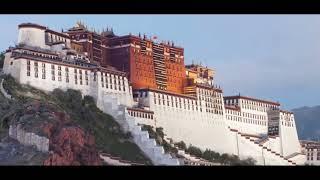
(228, 111)
(214, 99)
(252, 105)
(76, 79)
(248, 115)
(106, 81)
(286, 117)
(144, 73)
(209, 93)
(39, 55)
(175, 80)
(289, 124)
(214, 111)
(55, 38)
(140, 114)
(311, 150)
(162, 99)
(174, 67)
(254, 116)
(245, 120)
(78, 76)
(310, 155)
(175, 73)
(214, 105)
(162, 56)
(183, 103)
(311, 158)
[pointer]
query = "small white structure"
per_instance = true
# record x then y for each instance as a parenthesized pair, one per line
(312, 149)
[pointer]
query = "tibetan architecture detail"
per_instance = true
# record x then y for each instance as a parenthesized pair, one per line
(140, 81)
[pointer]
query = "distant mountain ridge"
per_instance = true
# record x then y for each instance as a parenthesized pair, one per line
(308, 122)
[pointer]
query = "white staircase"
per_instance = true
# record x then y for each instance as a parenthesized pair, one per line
(269, 157)
(156, 153)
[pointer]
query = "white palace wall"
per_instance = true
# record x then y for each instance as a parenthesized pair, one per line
(33, 37)
(288, 134)
(118, 86)
(189, 123)
(204, 130)
(239, 120)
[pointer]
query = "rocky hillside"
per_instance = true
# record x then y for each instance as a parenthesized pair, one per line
(308, 122)
(77, 130)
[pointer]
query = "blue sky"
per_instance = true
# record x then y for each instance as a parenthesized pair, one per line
(275, 57)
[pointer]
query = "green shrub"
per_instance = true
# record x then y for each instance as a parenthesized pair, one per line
(107, 132)
(83, 112)
(158, 135)
(210, 155)
(194, 151)
(181, 145)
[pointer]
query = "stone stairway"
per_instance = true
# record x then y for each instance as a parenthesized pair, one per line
(292, 155)
(188, 159)
(263, 140)
(269, 153)
(156, 153)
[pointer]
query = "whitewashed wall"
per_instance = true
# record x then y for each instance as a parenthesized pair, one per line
(32, 36)
(189, 124)
(205, 130)
(288, 135)
(29, 139)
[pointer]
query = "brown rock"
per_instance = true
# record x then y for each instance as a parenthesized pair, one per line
(71, 146)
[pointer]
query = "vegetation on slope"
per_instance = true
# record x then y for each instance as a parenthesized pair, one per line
(209, 155)
(5, 108)
(109, 138)
(158, 135)
(83, 112)
(224, 159)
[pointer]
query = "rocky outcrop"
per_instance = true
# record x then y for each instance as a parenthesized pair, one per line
(14, 153)
(51, 130)
(71, 146)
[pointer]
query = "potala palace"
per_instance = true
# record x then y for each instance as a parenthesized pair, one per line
(139, 80)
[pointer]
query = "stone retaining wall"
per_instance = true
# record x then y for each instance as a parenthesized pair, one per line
(29, 139)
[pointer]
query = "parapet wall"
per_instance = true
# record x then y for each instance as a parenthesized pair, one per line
(29, 139)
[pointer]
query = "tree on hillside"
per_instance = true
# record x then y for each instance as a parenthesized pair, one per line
(194, 151)
(181, 145)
